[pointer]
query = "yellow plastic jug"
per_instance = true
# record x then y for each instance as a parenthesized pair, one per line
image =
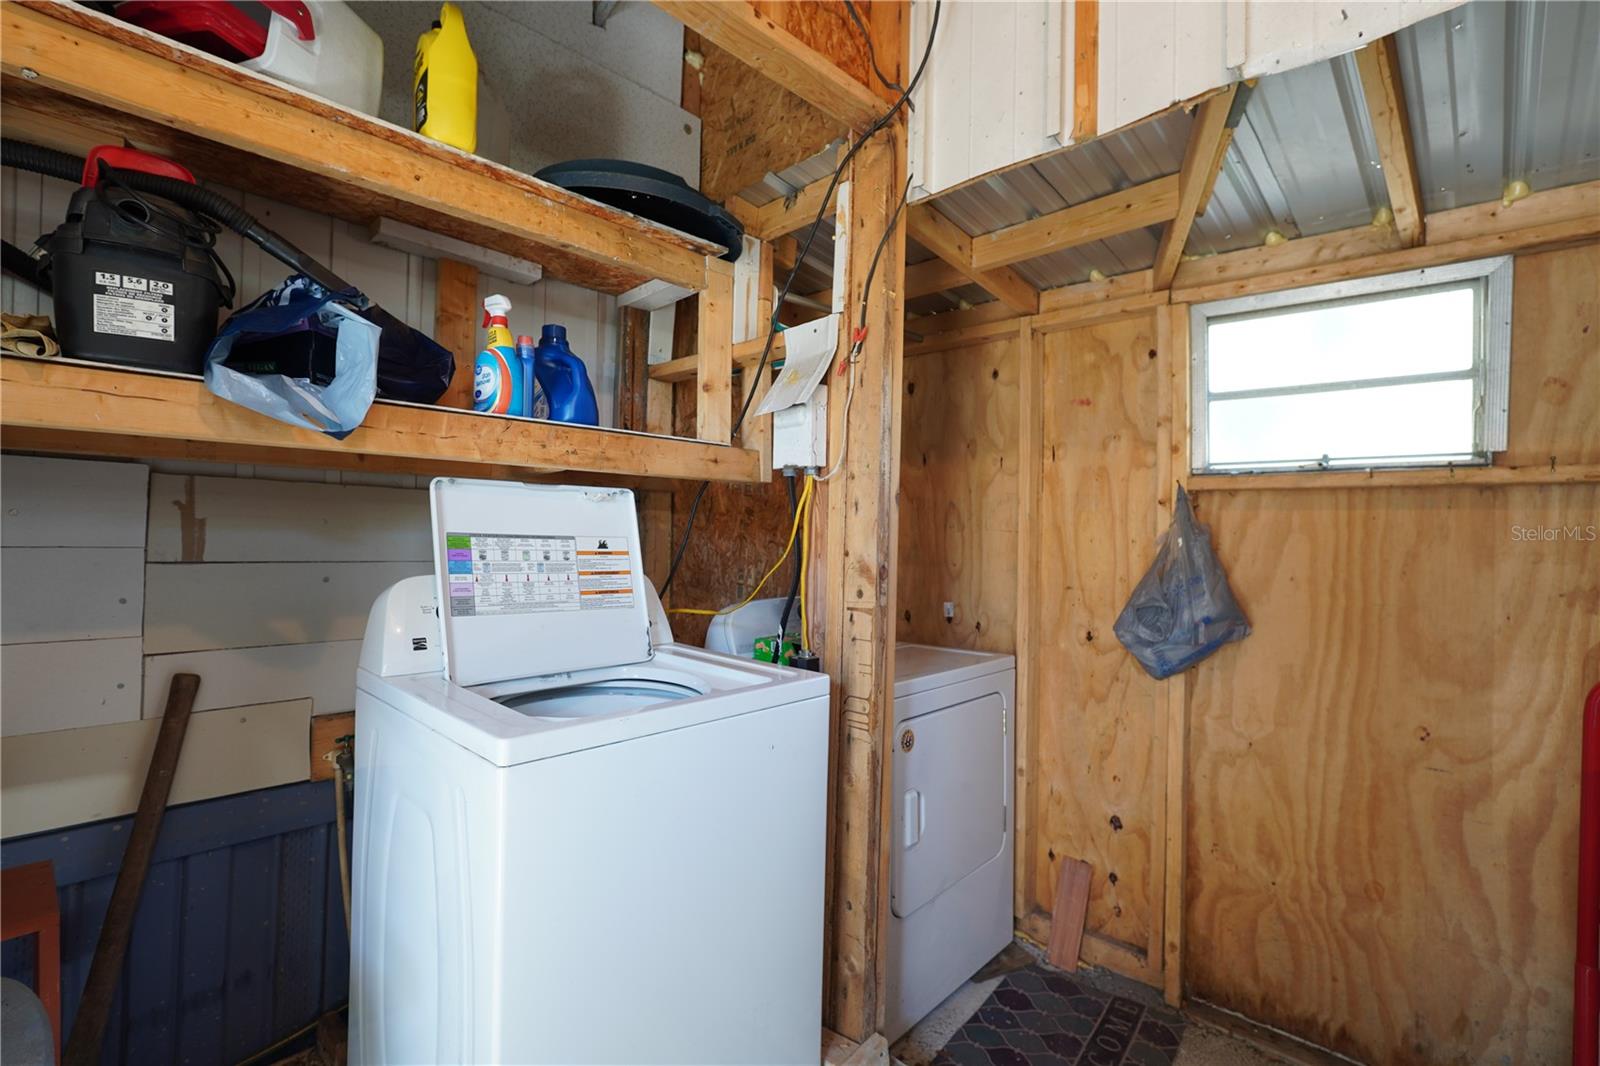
(444, 84)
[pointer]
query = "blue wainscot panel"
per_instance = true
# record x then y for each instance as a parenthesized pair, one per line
(239, 939)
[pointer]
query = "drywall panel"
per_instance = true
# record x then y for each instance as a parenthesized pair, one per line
(55, 594)
(1096, 729)
(73, 776)
(212, 606)
(1383, 804)
(67, 684)
(218, 519)
(326, 673)
(71, 503)
(958, 498)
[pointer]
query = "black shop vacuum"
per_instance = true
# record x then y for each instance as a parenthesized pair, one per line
(135, 279)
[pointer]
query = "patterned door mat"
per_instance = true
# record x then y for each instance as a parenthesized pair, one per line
(1041, 1017)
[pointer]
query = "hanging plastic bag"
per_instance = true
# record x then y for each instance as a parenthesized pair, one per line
(296, 354)
(1182, 609)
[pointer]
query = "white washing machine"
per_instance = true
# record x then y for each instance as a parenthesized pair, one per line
(950, 871)
(573, 845)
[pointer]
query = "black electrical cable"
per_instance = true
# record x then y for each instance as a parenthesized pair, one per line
(872, 54)
(799, 260)
(794, 582)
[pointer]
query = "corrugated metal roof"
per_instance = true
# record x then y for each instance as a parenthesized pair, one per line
(1502, 91)
(1495, 91)
(792, 180)
(1304, 162)
(1141, 153)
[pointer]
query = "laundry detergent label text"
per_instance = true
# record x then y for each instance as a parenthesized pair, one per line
(497, 574)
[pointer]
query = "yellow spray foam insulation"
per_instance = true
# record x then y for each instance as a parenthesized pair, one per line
(963, 305)
(694, 59)
(1383, 218)
(1515, 191)
(1095, 275)
(1273, 238)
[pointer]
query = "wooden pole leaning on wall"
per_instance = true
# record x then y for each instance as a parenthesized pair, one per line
(858, 594)
(89, 1026)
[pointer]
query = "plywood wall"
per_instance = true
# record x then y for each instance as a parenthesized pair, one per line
(1382, 780)
(958, 498)
(1383, 804)
(1096, 770)
(1382, 824)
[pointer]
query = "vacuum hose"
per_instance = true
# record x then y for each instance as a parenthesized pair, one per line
(54, 164)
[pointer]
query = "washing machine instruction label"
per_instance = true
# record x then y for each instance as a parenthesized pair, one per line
(130, 306)
(498, 574)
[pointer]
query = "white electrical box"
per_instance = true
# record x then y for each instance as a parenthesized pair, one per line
(800, 433)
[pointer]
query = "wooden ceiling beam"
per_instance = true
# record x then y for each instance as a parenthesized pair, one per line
(1201, 160)
(923, 279)
(1149, 204)
(769, 48)
(785, 215)
(1553, 219)
(950, 243)
(1379, 66)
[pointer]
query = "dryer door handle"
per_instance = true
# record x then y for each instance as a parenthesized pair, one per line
(913, 817)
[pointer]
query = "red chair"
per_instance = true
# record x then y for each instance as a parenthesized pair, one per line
(1586, 978)
(28, 905)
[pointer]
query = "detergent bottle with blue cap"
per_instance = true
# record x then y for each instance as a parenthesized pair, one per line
(497, 374)
(564, 379)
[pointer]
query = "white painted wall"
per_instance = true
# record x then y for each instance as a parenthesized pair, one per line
(998, 90)
(116, 575)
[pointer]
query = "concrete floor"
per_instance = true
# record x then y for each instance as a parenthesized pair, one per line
(1201, 1044)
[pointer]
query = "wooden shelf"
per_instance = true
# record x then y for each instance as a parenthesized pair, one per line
(67, 69)
(76, 408)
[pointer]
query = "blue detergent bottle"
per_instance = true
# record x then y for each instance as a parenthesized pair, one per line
(564, 379)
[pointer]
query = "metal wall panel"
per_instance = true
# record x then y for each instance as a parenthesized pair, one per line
(1503, 91)
(239, 939)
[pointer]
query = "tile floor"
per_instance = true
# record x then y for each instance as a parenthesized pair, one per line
(1036, 1015)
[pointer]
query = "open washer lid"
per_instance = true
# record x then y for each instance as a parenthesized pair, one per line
(536, 579)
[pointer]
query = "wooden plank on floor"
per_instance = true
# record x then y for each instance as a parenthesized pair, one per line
(1071, 908)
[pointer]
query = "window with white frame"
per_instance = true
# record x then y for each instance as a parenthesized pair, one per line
(1401, 370)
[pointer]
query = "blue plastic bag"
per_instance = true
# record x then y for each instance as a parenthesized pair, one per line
(336, 408)
(1183, 609)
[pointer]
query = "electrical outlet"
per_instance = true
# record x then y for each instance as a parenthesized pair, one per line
(800, 433)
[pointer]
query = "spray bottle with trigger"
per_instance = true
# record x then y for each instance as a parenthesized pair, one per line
(497, 374)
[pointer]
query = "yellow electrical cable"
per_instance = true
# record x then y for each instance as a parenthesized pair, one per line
(794, 532)
(805, 539)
